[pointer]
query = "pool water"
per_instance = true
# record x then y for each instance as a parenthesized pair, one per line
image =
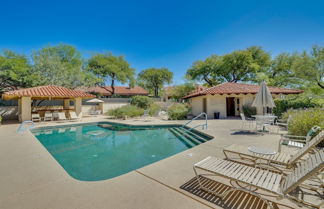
(98, 151)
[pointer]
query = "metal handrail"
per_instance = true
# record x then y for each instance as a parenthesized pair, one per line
(204, 126)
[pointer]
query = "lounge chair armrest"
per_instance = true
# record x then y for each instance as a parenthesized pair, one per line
(293, 136)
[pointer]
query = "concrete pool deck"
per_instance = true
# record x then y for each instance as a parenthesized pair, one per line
(31, 178)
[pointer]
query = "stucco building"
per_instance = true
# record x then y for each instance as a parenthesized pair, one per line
(228, 98)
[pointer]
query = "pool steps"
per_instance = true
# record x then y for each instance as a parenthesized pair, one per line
(189, 138)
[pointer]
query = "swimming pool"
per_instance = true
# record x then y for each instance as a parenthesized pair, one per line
(98, 151)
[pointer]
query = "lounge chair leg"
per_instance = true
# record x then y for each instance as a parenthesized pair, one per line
(197, 177)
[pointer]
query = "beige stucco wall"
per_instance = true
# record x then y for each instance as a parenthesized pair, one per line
(217, 103)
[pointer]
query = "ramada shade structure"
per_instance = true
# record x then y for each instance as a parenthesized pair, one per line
(47, 93)
(25, 97)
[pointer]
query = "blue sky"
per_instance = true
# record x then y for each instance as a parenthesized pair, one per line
(166, 33)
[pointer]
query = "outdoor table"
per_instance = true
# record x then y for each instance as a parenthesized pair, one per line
(265, 119)
(262, 151)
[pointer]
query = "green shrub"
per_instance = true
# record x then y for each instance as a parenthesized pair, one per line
(178, 111)
(303, 120)
(154, 109)
(282, 105)
(248, 110)
(126, 111)
(143, 102)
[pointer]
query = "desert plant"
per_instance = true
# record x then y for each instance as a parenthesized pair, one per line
(303, 120)
(0, 119)
(143, 102)
(248, 110)
(282, 105)
(154, 109)
(178, 111)
(126, 111)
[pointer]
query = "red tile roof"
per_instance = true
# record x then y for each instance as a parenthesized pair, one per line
(46, 92)
(240, 88)
(119, 90)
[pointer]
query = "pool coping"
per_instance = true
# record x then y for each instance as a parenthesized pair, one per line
(136, 125)
(126, 124)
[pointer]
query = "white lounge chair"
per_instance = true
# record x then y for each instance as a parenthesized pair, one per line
(280, 161)
(48, 116)
(73, 116)
(278, 184)
(61, 116)
(36, 117)
(298, 141)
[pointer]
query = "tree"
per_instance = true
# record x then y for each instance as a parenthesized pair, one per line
(241, 65)
(280, 72)
(206, 70)
(179, 91)
(154, 79)
(61, 65)
(15, 71)
(113, 68)
(310, 66)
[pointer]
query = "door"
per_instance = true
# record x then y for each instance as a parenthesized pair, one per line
(230, 106)
(204, 108)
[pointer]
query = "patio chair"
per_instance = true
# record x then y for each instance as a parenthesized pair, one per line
(73, 116)
(280, 161)
(291, 186)
(279, 123)
(48, 116)
(61, 116)
(36, 117)
(246, 122)
(298, 141)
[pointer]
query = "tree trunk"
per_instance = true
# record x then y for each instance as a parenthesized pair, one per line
(156, 91)
(207, 80)
(112, 87)
(320, 85)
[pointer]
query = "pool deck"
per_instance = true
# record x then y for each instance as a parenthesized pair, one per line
(31, 178)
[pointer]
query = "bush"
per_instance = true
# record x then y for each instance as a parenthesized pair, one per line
(178, 111)
(248, 110)
(282, 105)
(143, 102)
(126, 111)
(154, 109)
(303, 120)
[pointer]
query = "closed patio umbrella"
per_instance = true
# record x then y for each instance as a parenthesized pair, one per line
(263, 98)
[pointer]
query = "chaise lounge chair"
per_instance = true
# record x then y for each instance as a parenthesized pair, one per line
(279, 161)
(298, 141)
(280, 185)
(36, 117)
(48, 116)
(61, 116)
(73, 116)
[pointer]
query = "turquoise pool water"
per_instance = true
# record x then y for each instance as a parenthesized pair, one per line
(98, 151)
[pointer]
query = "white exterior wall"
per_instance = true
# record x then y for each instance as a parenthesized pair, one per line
(217, 103)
